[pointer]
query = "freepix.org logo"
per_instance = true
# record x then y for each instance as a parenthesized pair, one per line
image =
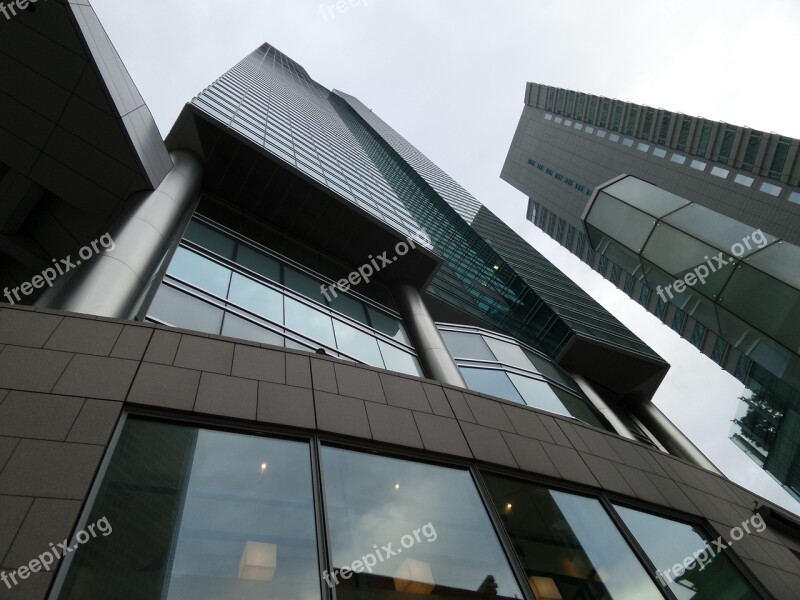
(10, 10)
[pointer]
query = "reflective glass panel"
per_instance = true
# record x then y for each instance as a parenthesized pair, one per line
(201, 515)
(303, 284)
(467, 345)
(262, 264)
(237, 327)
(440, 540)
(538, 394)
(508, 353)
(309, 322)
(357, 344)
(568, 545)
(256, 298)
(178, 309)
(200, 272)
(388, 325)
(492, 382)
(210, 239)
(398, 360)
(645, 196)
(351, 307)
(620, 221)
(683, 556)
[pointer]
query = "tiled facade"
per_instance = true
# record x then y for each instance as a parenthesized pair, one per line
(85, 372)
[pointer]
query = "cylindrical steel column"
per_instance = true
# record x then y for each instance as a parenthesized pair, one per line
(602, 407)
(433, 354)
(670, 436)
(113, 283)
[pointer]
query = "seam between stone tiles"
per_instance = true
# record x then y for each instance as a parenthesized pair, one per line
(21, 523)
(75, 420)
(52, 333)
(13, 451)
(64, 370)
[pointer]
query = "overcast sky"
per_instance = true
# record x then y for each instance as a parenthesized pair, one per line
(449, 75)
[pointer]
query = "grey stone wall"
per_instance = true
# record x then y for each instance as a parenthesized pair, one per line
(65, 379)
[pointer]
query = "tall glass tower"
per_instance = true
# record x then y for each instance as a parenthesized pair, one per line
(647, 197)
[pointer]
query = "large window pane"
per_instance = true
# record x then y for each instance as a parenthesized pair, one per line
(260, 263)
(200, 271)
(303, 284)
(508, 353)
(210, 239)
(492, 382)
(201, 515)
(375, 500)
(357, 344)
(309, 322)
(178, 309)
(398, 360)
(237, 327)
(568, 545)
(351, 307)
(467, 345)
(539, 394)
(388, 325)
(668, 544)
(256, 298)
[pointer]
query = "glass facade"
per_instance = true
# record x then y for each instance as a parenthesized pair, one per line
(219, 283)
(501, 367)
(199, 513)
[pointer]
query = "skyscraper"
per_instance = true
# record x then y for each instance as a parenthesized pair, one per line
(283, 355)
(703, 232)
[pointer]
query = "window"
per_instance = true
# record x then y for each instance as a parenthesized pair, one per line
(702, 144)
(568, 544)
(698, 165)
(659, 152)
(678, 158)
(629, 283)
(751, 153)
(578, 126)
(589, 130)
(257, 298)
(601, 133)
(642, 147)
(683, 136)
(779, 158)
(718, 353)
(467, 345)
(727, 144)
(559, 177)
(678, 320)
(698, 333)
(548, 116)
(309, 322)
(720, 172)
(644, 295)
(743, 180)
(567, 123)
(493, 382)
(613, 137)
(201, 514)
(661, 308)
(664, 129)
(200, 271)
(794, 197)
(677, 549)
(373, 500)
(356, 343)
(178, 309)
(772, 190)
(616, 271)
(627, 142)
(558, 119)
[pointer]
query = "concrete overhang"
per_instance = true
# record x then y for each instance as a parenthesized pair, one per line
(76, 138)
(263, 185)
(630, 375)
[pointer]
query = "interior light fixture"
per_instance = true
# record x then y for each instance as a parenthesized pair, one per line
(544, 588)
(258, 562)
(414, 577)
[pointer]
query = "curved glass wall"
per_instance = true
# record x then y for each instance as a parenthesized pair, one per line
(499, 366)
(219, 284)
(199, 514)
